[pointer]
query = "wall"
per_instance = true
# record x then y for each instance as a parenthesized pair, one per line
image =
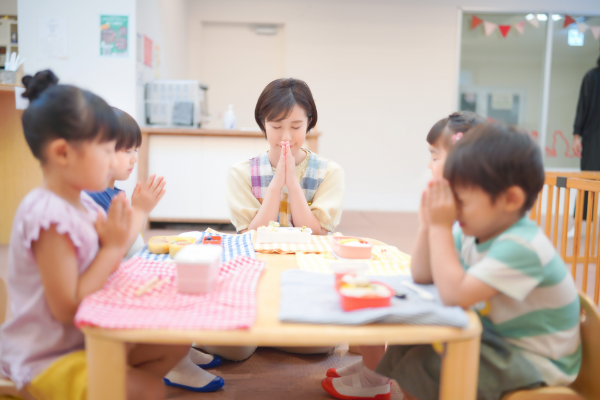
(8, 7)
(111, 78)
(382, 72)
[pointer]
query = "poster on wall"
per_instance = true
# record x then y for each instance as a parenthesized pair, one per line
(52, 34)
(114, 35)
(147, 51)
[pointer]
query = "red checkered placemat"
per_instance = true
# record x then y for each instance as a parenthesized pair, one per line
(231, 305)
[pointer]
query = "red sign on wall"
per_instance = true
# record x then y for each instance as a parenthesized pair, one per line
(147, 51)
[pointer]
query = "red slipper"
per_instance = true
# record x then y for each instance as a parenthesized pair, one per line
(336, 388)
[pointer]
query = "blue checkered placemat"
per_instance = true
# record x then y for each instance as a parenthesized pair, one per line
(233, 246)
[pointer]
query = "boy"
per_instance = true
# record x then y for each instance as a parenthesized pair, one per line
(500, 262)
(145, 197)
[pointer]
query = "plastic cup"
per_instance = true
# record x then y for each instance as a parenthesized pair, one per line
(198, 268)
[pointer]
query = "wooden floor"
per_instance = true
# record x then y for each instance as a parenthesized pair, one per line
(273, 374)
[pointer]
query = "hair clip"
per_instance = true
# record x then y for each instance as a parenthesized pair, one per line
(456, 137)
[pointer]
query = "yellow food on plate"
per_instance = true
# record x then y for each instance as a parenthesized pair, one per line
(177, 243)
(159, 244)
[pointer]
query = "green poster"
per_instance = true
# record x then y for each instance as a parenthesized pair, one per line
(114, 34)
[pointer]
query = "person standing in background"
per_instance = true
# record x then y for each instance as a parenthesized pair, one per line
(586, 130)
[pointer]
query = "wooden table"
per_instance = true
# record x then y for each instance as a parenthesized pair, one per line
(106, 348)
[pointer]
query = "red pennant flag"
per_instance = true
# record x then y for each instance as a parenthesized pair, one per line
(568, 21)
(504, 29)
(475, 22)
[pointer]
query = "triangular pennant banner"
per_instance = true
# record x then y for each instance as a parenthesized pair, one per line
(596, 31)
(520, 27)
(568, 21)
(582, 27)
(475, 22)
(504, 29)
(489, 27)
(534, 21)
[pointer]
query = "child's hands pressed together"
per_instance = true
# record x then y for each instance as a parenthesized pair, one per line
(114, 231)
(441, 206)
(146, 196)
(423, 212)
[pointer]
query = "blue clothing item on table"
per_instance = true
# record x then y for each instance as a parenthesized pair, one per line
(310, 297)
(233, 246)
(104, 198)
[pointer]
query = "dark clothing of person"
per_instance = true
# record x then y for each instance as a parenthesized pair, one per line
(587, 124)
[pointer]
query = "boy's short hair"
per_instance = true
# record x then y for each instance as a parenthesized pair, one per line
(129, 134)
(443, 130)
(495, 156)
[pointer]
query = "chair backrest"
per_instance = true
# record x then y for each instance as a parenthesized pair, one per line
(555, 184)
(588, 175)
(587, 383)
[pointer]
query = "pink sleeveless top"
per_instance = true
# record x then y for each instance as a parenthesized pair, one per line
(32, 339)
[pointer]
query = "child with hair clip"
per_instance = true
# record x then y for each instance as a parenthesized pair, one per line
(340, 381)
(145, 197)
(63, 247)
(498, 262)
(288, 183)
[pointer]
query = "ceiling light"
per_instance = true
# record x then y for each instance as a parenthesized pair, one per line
(529, 17)
(542, 17)
(556, 17)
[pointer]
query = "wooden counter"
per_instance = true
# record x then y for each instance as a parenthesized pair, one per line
(19, 170)
(195, 162)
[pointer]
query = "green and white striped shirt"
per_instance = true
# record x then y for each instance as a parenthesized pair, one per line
(537, 309)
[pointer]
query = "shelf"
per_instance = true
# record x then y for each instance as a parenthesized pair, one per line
(207, 132)
(8, 88)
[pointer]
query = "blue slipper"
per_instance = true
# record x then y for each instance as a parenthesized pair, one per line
(216, 361)
(213, 386)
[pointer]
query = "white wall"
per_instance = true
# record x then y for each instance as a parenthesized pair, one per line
(382, 72)
(111, 78)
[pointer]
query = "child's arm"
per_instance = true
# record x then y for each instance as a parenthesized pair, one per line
(456, 287)
(57, 261)
(420, 266)
(302, 215)
(143, 200)
(269, 209)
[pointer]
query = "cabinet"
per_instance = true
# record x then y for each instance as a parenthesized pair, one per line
(194, 163)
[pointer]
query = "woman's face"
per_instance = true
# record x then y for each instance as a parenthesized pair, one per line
(437, 160)
(291, 129)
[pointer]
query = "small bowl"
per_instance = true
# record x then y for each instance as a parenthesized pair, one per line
(353, 252)
(351, 303)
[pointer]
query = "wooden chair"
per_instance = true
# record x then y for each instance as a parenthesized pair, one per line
(591, 255)
(587, 384)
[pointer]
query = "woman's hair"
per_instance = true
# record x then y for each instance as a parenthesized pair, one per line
(598, 62)
(128, 131)
(494, 157)
(460, 121)
(63, 112)
(279, 98)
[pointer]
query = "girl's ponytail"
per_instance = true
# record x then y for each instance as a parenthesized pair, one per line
(35, 85)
